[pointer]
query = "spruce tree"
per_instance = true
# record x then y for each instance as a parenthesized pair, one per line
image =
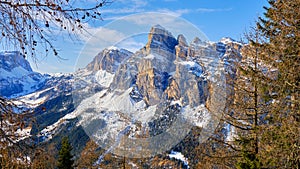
(65, 157)
(248, 107)
(280, 29)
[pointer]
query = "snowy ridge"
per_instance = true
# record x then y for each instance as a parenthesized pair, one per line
(23, 133)
(112, 48)
(48, 132)
(32, 100)
(227, 40)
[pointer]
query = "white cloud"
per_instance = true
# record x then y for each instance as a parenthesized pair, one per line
(139, 3)
(105, 35)
(131, 45)
(112, 18)
(176, 25)
(95, 41)
(152, 18)
(146, 19)
(133, 3)
(122, 10)
(177, 13)
(213, 10)
(126, 7)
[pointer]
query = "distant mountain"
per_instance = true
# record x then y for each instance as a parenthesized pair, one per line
(16, 75)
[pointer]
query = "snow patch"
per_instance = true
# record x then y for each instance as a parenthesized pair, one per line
(104, 78)
(230, 133)
(155, 56)
(174, 102)
(193, 67)
(227, 40)
(198, 116)
(179, 156)
(23, 133)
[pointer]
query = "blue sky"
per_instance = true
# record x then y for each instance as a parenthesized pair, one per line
(213, 18)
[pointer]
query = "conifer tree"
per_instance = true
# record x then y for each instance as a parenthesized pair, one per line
(65, 160)
(281, 32)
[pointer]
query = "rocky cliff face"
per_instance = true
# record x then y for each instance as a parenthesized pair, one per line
(182, 48)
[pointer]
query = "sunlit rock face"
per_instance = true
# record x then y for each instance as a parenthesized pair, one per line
(182, 48)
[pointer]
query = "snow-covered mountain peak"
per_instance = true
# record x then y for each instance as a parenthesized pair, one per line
(120, 92)
(112, 48)
(228, 40)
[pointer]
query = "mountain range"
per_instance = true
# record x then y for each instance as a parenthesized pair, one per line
(160, 91)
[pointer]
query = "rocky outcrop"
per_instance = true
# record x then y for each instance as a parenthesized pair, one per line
(182, 48)
(200, 48)
(172, 92)
(191, 86)
(148, 85)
